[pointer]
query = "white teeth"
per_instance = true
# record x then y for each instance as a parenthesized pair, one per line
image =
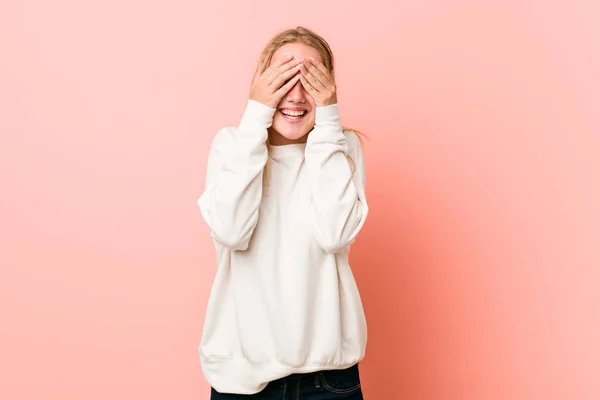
(293, 113)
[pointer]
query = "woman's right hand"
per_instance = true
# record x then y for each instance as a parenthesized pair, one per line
(269, 87)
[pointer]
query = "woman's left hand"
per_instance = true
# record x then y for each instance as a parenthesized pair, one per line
(318, 82)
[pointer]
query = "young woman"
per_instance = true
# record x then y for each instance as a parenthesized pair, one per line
(284, 200)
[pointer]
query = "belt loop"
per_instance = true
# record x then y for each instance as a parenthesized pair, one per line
(317, 380)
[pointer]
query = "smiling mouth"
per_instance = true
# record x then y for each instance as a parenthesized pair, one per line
(293, 115)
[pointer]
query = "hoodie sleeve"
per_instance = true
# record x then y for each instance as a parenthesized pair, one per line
(337, 181)
(232, 196)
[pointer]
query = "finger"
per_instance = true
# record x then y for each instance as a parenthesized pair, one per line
(312, 68)
(279, 67)
(287, 86)
(313, 80)
(285, 75)
(323, 81)
(319, 65)
(309, 88)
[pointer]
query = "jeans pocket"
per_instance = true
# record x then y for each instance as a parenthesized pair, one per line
(341, 381)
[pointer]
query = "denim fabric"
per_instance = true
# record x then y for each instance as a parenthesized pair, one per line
(341, 384)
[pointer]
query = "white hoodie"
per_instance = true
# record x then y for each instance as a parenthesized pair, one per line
(284, 299)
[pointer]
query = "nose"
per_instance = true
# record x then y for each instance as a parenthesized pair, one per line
(296, 94)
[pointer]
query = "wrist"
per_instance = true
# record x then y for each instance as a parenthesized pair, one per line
(329, 102)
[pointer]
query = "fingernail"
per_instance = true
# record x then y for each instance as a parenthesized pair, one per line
(289, 56)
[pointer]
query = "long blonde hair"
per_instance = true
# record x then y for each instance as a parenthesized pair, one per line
(309, 38)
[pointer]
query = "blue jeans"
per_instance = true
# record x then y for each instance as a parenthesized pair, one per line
(341, 384)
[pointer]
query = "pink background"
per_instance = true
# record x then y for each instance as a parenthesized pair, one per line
(479, 266)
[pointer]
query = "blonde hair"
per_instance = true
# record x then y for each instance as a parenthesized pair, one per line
(309, 38)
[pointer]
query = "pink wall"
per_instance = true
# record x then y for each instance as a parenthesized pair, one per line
(480, 263)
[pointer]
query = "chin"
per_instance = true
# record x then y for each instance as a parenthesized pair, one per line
(292, 131)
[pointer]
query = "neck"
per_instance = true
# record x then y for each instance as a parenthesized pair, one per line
(277, 139)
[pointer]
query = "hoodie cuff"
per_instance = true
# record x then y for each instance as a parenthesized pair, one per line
(258, 114)
(327, 115)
